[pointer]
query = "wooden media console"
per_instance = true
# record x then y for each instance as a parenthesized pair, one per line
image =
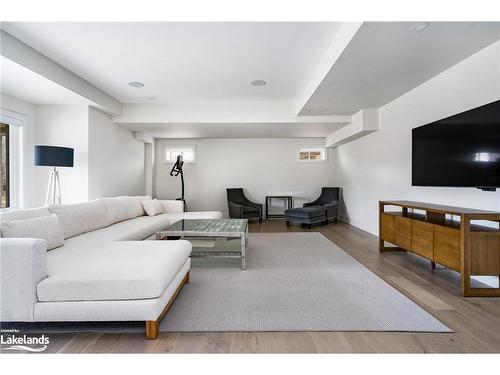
(463, 246)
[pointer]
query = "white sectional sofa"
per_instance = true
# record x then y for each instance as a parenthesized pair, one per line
(105, 270)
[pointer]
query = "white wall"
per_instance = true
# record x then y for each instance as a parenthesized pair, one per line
(109, 161)
(28, 134)
(378, 166)
(261, 166)
(67, 126)
(116, 159)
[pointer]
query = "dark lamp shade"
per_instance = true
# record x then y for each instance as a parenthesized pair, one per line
(53, 156)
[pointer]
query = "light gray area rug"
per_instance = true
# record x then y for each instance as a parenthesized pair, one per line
(293, 282)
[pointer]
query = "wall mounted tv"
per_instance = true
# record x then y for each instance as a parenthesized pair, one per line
(460, 151)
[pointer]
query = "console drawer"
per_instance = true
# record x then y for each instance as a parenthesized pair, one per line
(387, 227)
(403, 232)
(422, 239)
(447, 247)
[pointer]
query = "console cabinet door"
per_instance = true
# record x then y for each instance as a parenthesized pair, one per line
(422, 239)
(387, 227)
(447, 247)
(403, 232)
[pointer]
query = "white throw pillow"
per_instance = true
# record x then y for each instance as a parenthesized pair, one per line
(152, 207)
(80, 218)
(45, 227)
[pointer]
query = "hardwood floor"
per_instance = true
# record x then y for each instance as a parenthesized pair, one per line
(475, 321)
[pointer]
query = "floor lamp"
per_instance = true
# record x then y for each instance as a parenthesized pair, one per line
(53, 156)
(176, 170)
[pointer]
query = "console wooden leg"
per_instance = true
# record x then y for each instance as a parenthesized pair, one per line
(433, 265)
(465, 256)
(152, 329)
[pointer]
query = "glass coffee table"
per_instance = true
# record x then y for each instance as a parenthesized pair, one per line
(228, 229)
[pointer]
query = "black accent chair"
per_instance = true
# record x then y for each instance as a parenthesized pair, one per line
(242, 208)
(329, 201)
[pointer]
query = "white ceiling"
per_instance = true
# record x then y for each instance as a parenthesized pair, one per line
(386, 59)
(18, 81)
(184, 65)
(185, 61)
(235, 130)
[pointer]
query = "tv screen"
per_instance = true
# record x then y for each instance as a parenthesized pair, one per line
(461, 151)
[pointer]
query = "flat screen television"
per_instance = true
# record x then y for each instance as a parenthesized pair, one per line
(460, 151)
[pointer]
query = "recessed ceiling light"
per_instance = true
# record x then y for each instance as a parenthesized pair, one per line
(136, 84)
(258, 82)
(419, 26)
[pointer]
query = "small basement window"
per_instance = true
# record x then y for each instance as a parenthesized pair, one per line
(172, 151)
(312, 154)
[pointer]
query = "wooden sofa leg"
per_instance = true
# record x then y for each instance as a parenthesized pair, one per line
(152, 329)
(153, 326)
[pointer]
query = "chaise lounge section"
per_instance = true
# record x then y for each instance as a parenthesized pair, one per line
(106, 270)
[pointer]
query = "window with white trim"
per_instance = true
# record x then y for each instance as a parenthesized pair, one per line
(312, 154)
(171, 152)
(4, 166)
(11, 151)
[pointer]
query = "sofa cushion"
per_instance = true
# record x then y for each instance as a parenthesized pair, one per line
(138, 199)
(153, 207)
(80, 218)
(44, 227)
(124, 208)
(194, 215)
(172, 206)
(119, 209)
(28, 213)
(136, 229)
(112, 270)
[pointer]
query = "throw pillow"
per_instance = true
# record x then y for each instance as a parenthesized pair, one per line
(81, 218)
(152, 207)
(45, 227)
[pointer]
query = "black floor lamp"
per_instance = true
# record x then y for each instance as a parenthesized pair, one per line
(176, 170)
(53, 156)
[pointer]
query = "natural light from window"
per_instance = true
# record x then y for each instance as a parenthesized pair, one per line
(187, 152)
(312, 154)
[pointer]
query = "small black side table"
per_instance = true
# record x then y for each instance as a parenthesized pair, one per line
(289, 204)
